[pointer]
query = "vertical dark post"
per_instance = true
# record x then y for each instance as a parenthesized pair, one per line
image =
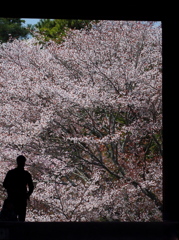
(170, 120)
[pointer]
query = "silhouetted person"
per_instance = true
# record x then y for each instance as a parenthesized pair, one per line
(8, 213)
(16, 182)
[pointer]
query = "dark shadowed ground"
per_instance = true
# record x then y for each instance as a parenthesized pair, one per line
(89, 231)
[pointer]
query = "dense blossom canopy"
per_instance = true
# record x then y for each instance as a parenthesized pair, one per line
(87, 114)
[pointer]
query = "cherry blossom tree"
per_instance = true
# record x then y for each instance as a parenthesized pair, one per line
(87, 114)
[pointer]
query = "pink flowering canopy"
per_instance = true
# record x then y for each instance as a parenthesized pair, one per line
(87, 114)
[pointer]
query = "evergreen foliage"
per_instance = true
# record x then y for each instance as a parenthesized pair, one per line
(56, 29)
(11, 28)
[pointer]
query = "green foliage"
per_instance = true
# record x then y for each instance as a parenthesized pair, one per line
(56, 29)
(12, 28)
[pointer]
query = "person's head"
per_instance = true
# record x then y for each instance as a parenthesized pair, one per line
(21, 161)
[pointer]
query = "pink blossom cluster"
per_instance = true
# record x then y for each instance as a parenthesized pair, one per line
(87, 114)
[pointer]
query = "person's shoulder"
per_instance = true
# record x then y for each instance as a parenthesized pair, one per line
(27, 173)
(11, 171)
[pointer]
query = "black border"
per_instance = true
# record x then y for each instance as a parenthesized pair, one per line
(117, 11)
